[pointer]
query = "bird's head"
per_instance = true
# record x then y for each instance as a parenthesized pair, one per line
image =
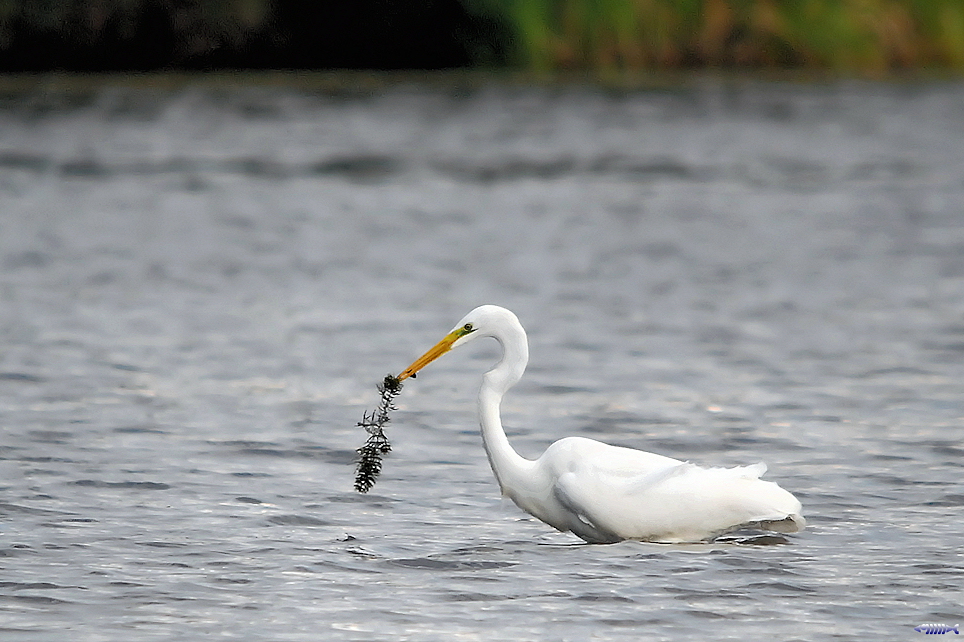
(483, 321)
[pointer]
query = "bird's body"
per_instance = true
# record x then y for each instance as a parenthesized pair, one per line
(605, 493)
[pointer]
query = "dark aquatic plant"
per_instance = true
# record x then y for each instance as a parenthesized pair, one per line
(370, 455)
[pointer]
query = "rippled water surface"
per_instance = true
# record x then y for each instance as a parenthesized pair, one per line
(200, 286)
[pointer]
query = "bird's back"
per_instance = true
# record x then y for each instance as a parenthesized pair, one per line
(608, 493)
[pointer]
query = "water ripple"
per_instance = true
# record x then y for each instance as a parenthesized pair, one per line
(200, 287)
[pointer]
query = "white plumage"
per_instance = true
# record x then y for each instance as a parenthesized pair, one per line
(605, 493)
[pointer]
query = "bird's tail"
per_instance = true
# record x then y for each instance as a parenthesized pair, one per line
(793, 523)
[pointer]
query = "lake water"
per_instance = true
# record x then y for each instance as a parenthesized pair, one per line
(200, 286)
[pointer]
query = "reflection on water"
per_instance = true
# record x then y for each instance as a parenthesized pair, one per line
(199, 289)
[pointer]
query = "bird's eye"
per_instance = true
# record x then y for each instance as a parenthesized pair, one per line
(467, 327)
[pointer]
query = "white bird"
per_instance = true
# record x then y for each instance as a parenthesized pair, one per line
(604, 493)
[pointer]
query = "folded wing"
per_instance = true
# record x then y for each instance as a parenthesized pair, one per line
(672, 501)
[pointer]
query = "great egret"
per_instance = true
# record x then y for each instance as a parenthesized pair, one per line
(605, 493)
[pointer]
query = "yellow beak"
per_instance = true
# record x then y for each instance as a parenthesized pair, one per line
(434, 353)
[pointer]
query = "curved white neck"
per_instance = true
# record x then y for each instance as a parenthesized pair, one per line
(511, 469)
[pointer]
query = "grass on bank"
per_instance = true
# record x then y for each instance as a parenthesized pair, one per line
(536, 35)
(839, 35)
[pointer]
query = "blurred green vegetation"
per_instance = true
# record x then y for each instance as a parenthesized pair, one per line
(840, 35)
(544, 35)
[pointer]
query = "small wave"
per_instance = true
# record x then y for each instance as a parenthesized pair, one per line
(433, 563)
(21, 377)
(297, 520)
(142, 485)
